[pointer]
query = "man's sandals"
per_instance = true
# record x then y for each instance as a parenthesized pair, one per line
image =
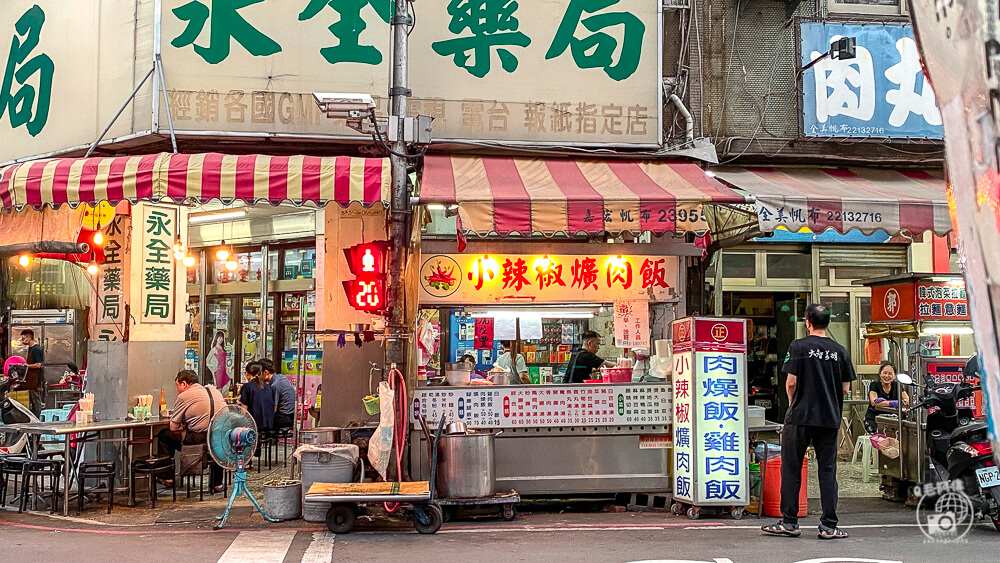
(782, 529)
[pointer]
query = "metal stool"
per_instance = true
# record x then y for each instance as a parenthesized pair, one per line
(32, 472)
(148, 468)
(283, 435)
(10, 466)
(97, 470)
(264, 444)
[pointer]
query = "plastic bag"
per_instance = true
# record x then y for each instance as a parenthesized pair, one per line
(380, 445)
(773, 451)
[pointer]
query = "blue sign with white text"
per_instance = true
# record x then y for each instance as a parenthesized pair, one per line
(882, 92)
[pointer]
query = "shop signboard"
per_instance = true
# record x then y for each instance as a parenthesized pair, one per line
(710, 426)
(508, 278)
(157, 301)
(112, 284)
(920, 301)
(493, 71)
(882, 92)
(951, 371)
(631, 324)
(545, 405)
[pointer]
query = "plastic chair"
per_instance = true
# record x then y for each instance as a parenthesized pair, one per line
(868, 459)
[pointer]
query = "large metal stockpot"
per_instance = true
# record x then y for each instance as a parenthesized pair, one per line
(467, 465)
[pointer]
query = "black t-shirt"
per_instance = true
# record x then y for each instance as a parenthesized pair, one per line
(876, 386)
(581, 364)
(821, 367)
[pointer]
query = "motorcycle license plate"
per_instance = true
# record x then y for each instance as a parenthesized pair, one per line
(988, 476)
(762, 403)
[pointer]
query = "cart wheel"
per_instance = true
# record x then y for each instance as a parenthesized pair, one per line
(509, 512)
(450, 513)
(677, 509)
(737, 513)
(693, 513)
(434, 517)
(340, 518)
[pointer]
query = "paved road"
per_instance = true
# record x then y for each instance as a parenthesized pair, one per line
(542, 537)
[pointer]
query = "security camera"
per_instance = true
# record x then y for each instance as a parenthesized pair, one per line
(344, 105)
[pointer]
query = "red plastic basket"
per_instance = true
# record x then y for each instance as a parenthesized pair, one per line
(616, 375)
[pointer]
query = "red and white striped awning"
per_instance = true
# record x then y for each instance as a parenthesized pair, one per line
(196, 178)
(506, 195)
(842, 199)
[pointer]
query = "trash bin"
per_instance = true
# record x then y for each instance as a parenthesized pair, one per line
(771, 493)
(283, 499)
(327, 463)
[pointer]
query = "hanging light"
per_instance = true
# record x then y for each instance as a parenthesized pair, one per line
(179, 252)
(223, 254)
(231, 265)
(188, 261)
(92, 267)
(99, 239)
(24, 260)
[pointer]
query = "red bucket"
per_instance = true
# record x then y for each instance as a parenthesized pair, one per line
(771, 491)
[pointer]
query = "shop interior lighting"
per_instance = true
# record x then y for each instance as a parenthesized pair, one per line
(222, 254)
(946, 329)
(24, 260)
(232, 265)
(563, 312)
(217, 216)
(179, 252)
(99, 239)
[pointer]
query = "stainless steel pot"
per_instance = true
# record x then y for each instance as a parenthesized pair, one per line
(504, 378)
(458, 427)
(467, 465)
(323, 435)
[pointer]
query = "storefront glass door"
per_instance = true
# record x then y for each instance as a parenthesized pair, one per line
(220, 352)
(257, 336)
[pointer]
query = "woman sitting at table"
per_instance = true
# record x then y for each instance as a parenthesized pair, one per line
(883, 395)
(256, 397)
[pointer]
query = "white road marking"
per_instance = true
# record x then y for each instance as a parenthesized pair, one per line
(320, 550)
(258, 547)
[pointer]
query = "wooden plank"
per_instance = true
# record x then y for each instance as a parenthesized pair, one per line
(414, 488)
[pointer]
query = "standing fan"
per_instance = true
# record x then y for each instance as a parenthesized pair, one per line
(232, 439)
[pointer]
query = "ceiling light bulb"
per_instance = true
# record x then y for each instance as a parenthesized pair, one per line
(24, 260)
(231, 265)
(188, 261)
(179, 253)
(222, 254)
(93, 268)
(99, 238)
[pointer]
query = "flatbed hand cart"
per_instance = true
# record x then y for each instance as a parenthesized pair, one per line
(346, 498)
(506, 501)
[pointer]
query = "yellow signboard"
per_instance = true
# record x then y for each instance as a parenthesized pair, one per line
(528, 279)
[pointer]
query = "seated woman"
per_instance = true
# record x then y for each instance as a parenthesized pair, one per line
(257, 398)
(883, 395)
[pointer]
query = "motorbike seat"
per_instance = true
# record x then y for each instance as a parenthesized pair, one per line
(963, 432)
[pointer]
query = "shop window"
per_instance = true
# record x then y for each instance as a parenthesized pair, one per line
(789, 266)
(248, 269)
(738, 265)
(300, 263)
(840, 321)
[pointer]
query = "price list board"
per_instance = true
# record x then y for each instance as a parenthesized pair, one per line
(546, 405)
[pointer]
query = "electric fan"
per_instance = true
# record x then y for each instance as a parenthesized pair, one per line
(232, 439)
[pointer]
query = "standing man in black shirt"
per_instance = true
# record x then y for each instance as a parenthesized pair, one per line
(33, 380)
(819, 374)
(585, 359)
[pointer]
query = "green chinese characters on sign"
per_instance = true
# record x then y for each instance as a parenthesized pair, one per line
(28, 105)
(348, 29)
(227, 25)
(597, 50)
(157, 224)
(158, 278)
(492, 25)
(157, 305)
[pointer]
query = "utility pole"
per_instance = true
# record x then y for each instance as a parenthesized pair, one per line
(399, 207)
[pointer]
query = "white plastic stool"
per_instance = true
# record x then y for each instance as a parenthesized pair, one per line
(869, 461)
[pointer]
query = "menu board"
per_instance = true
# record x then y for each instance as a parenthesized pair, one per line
(545, 405)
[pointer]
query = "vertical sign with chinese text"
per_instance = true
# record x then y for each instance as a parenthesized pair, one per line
(158, 275)
(112, 284)
(683, 452)
(631, 324)
(720, 422)
(483, 338)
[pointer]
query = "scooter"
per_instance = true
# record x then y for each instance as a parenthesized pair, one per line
(13, 412)
(958, 448)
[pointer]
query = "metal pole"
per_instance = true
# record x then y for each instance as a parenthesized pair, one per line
(263, 300)
(203, 314)
(399, 219)
(300, 369)
(119, 114)
(166, 103)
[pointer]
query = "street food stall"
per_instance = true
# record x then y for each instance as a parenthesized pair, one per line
(921, 323)
(609, 435)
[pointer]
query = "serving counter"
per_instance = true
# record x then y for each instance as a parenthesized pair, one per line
(560, 439)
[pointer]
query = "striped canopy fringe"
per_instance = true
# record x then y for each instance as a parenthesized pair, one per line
(196, 178)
